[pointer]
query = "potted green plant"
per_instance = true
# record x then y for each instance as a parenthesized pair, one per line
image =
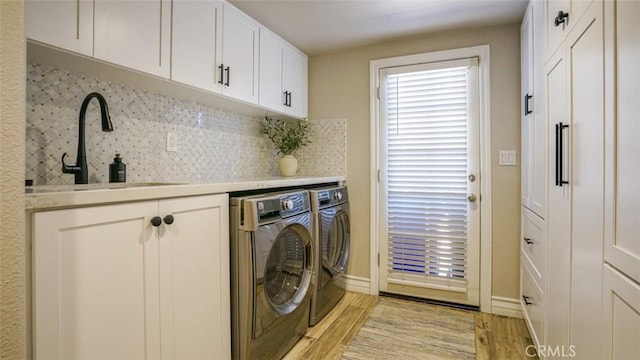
(286, 138)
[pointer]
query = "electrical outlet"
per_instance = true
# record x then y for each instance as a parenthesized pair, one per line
(507, 157)
(172, 141)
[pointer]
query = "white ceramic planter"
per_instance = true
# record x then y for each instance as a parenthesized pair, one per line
(288, 165)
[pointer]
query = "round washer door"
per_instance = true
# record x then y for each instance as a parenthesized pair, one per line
(287, 271)
(336, 236)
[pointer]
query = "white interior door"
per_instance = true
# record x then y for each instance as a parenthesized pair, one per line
(430, 183)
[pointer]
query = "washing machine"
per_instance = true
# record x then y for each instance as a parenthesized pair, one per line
(271, 267)
(332, 234)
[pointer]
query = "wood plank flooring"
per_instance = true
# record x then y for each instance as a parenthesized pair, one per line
(497, 337)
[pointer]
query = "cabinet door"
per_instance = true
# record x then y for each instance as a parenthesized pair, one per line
(621, 316)
(194, 278)
(559, 213)
(271, 90)
(526, 54)
(134, 34)
(585, 59)
(557, 33)
(95, 283)
(195, 48)
(295, 80)
(240, 36)
(67, 24)
(538, 138)
(622, 243)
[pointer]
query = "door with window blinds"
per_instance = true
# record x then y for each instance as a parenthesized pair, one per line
(429, 126)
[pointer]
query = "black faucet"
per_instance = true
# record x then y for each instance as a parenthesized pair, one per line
(80, 168)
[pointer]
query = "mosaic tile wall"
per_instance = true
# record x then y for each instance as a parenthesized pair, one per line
(213, 144)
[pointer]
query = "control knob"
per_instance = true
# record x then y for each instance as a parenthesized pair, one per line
(287, 204)
(337, 195)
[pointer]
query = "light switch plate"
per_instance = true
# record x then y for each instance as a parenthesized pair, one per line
(507, 157)
(172, 141)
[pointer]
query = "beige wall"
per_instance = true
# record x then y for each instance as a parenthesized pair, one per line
(339, 87)
(12, 139)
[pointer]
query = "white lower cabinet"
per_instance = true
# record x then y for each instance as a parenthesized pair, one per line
(621, 315)
(108, 284)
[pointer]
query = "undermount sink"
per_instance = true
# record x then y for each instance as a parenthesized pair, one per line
(100, 186)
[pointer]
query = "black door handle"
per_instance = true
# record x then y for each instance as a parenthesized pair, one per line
(221, 67)
(228, 71)
(286, 98)
(289, 99)
(526, 300)
(560, 165)
(527, 240)
(527, 110)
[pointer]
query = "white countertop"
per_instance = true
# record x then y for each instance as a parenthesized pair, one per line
(62, 196)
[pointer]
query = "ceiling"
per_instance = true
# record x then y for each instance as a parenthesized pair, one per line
(324, 26)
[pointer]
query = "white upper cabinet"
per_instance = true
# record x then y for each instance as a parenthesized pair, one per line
(196, 50)
(67, 24)
(283, 76)
(134, 34)
(239, 64)
(294, 75)
(561, 15)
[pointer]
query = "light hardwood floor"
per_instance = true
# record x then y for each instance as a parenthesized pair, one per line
(497, 337)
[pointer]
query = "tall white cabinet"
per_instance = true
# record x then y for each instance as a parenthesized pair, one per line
(534, 184)
(621, 295)
(144, 280)
(590, 285)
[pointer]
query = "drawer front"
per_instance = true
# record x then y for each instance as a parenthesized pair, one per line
(532, 300)
(534, 244)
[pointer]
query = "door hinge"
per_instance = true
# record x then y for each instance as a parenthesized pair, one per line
(378, 259)
(378, 92)
(379, 175)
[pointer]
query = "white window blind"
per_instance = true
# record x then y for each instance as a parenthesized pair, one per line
(427, 114)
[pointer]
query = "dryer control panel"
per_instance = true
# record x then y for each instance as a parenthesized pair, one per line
(268, 208)
(322, 198)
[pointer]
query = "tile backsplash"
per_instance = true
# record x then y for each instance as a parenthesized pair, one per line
(213, 144)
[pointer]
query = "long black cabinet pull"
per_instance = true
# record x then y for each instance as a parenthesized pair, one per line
(221, 80)
(289, 102)
(527, 110)
(228, 71)
(526, 300)
(527, 240)
(559, 154)
(286, 98)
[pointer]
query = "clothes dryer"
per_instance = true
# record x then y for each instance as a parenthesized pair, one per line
(271, 266)
(332, 237)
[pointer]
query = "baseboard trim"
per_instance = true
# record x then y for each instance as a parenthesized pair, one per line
(357, 284)
(506, 307)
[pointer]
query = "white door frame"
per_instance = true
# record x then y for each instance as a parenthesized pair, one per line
(482, 52)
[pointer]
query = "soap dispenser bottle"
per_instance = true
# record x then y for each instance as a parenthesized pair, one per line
(117, 170)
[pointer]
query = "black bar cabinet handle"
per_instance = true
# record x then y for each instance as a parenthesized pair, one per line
(289, 102)
(527, 110)
(228, 71)
(527, 240)
(221, 67)
(526, 300)
(561, 180)
(557, 153)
